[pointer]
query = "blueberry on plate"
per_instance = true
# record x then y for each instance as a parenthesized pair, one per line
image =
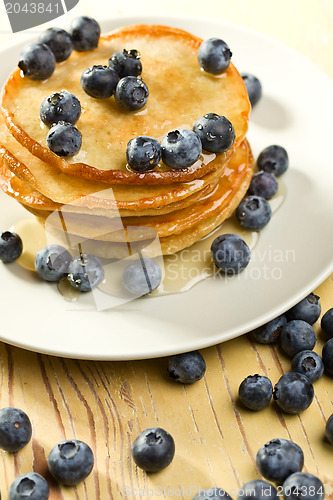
(60, 106)
(142, 276)
(131, 93)
(216, 132)
(296, 336)
(253, 87)
(15, 429)
(70, 462)
(29, 486)
(59, 41)
(303, 486)
(308, 309)
(309, 363)
(329, 429)
(99, 81)
(279, 458)
(327, 356)
(257, 490)
(143, 153)
(253, 212)
(230, 253)
(255, 392)
(271, 331)
(293, 392)
(214, 56)
(212, 494)
(181, 148)
(52, 262)
(186, 368)
(85, 272)
(153, 449)
(37, 61)
(273, 159)
(263, 184)
(10, 247)
(126, 63)
(85, 33)
(64, 139)
(327, 323)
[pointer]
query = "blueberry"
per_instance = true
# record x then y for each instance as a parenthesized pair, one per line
(85, 33)
(15, 429)
(263, 184)
(37, 61)
(216, 132)
(329, 429)
(303, 486)
(253, 212)
(59, 41)
(309, 363)
(271, 331)
(255, 392)
(126, 63)
(187, 368)
(214, 56)
(308, 309)
(10, 247)
(327, 323)
(327, 356)
(153, 449)
(253, 87)
(60, 106)
(258, 490)
(64, 139)
(296, 336)
(142, 276)
(181, 148)
(70, 462)
(99, 81)
(279, 458)
(143, 153)
(212, 494)
(230, 253)
(273, 159)
(52, 262)
(29, 486)
(85, 272)
(131, 93)
(293, 392)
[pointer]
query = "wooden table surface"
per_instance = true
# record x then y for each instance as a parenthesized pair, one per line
(107, 404)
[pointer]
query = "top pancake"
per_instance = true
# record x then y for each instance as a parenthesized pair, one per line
(180, 93)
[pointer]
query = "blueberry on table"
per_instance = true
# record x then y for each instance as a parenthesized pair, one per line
(279, 458)
(253, 212)
(181, 148)
(131, 93)
(85, 272)
(257, 490)
(271, 331)
(230, 253)
(216, 132)
(308, 363)
(59, 41)
(212, 494)
(10, 247)
(293, 392)
(30, 486)
(143, 153)
(329, 429)
(187, 368)
(99, 81)
(253, 87)
(263, 184)
(15, 429)
(64, 139)
(255, 392)
(308, 309)
(153, 449)
(85, 33)
(273, 159)
(70, 462)
(303, 486)
(52, 262)
(296, 336)
(60, 106)
(214, 56)
(327, 356)
(327, 323)
(126, 63)
(142, 276)
(37, 61)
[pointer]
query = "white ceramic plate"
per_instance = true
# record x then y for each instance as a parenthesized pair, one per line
(293, 256)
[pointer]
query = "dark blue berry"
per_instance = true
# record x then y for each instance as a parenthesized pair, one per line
(64, 139)
(142, 276)
(327, 323)
(255, 392)
(10, 247)
(37, 61)
(126, 63)
(212, 494)
(273, 159)
(52, 262)
(143, 153)
(15, 429)
(131, 93)
(153, 449)
(216, 132)
(85, 33)
(279, 458)
(85, 272)
(271, 331)
(181, 148)
(257, 490)
(60, 106)
(329, 429)
(253, 212)
(309, 363)
(230, 253)
(214, 56)
(30, 486)
(293, 392)
(263, 184)
(99, 81)
(303, 486)
(187, 368)
(308, 309)
(253, 87)
(59, 41)
(327, 356)
(296, 336)
(70, 462)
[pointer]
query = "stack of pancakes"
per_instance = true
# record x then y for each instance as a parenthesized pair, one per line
(95, 194)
